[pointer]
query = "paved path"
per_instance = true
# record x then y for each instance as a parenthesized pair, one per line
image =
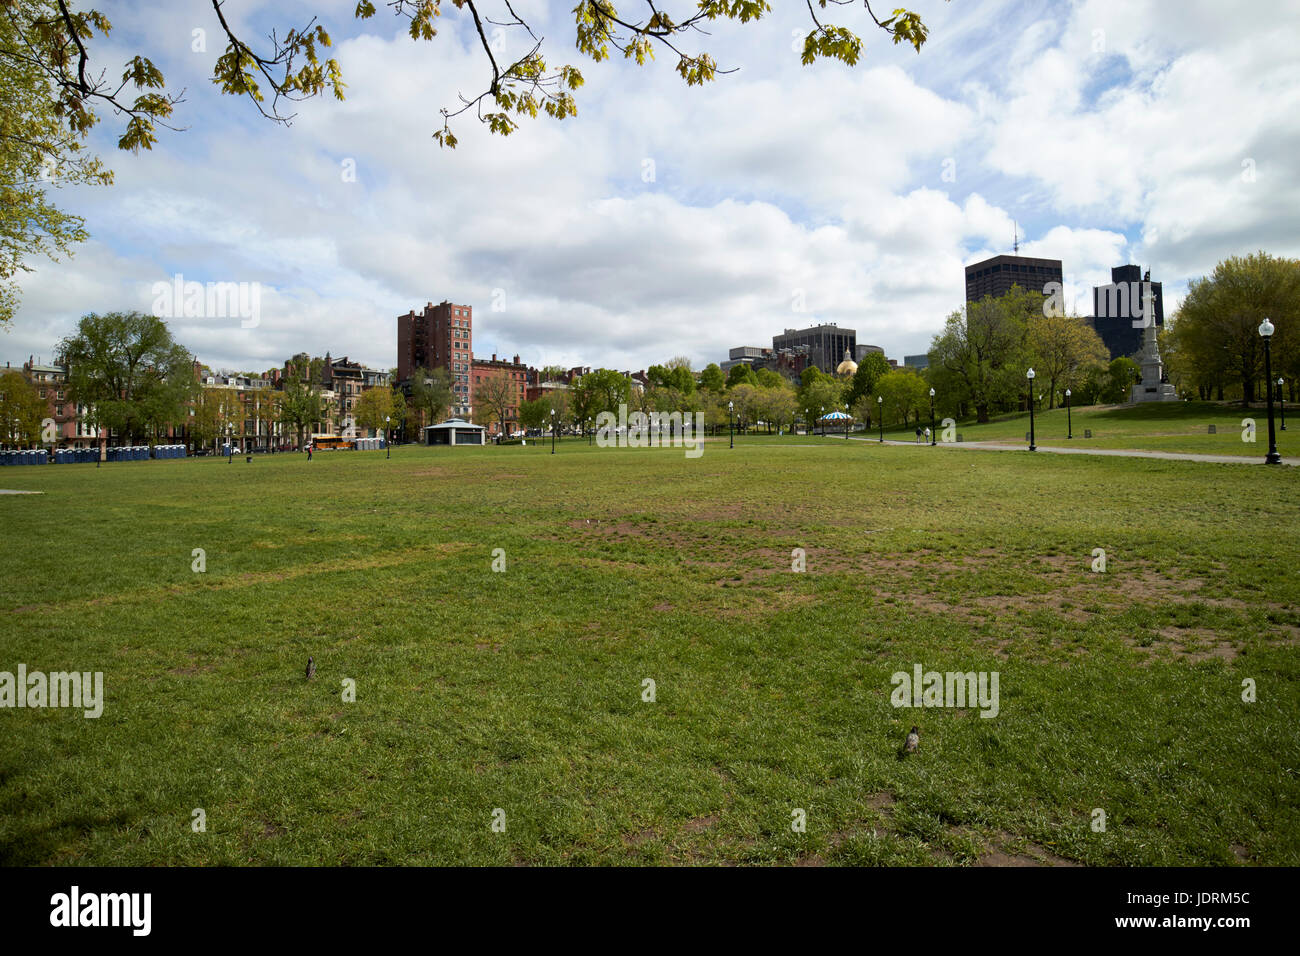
(1113, 452)
(6, 491)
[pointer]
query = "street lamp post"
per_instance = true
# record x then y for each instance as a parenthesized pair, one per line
(552, 431)
(846, 421)
(1281, 402)
(731, 431)
(1266, 331)
(933, 436)
(230, 444)
(591, 433)
(388, 439)
(1030, 375)
(1069, 425)
(880, 413)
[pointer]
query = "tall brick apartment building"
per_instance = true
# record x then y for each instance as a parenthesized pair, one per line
(442, 336)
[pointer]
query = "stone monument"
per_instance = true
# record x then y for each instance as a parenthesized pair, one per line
(1152, 387)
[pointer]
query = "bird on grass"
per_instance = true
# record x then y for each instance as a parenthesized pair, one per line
(912, 744)
(311, 668)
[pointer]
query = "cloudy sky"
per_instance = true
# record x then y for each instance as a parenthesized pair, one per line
(668, 221)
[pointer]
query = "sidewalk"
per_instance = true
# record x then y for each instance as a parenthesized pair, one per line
(1113, 452)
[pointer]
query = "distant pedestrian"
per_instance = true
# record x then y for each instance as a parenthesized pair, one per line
(309, 451)
(927, 435)
(918, 435)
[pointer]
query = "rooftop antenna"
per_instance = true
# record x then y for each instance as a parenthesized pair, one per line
(1016, 245)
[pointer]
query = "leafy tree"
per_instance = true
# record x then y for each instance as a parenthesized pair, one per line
(712, 378)
(822, 393)
(535, 413)
(906, 395)
(496, 399)
(769, 379)
(602, 390)
(714, 407)
(301, 405)
(778, 405)
(809, 375)
(130, 374)
(264, 404)
(554, 373)
(741, 374)
(1064, 347)
(745, 398)
(1218, 322)
(21, 410)
(212, 410)
(378, 409)
(870, 369)
(676, 375)
(984, 347)
(1122, 374)
(431, 394)
(41, 146)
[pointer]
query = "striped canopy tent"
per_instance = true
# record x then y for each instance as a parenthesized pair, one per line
(835, 417)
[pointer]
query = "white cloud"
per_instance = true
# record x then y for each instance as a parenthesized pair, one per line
(868, 189)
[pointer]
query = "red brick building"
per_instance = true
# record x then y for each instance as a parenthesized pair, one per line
(516, 374)
(442, 336)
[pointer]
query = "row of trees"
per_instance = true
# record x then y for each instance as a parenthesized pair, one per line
(131, 377)
(978, 362)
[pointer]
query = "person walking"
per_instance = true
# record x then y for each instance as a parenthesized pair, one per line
(309, 451)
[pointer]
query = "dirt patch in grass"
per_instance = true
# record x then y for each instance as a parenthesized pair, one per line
(700, 824)
(192, 671)
(1192, 644)
(1006, 850)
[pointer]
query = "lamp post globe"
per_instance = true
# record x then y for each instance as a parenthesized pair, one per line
(933, 436)
(1030, 375)
(1266, 333)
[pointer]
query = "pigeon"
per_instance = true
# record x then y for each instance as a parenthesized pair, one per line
(913, 742)
(311, 671)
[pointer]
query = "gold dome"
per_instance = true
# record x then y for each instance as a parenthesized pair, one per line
(848, 366)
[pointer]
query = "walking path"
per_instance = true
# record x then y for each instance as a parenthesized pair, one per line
(6, 491)
(1114, 452)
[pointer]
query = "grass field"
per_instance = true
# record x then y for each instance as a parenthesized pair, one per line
(1182, 427)
(523, 690)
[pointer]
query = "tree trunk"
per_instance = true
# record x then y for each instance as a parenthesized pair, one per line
(982, 413)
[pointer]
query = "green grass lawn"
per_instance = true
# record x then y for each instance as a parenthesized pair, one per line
(523, 690)
(1176, 427)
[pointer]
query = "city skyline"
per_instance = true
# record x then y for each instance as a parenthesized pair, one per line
(1106, 122)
